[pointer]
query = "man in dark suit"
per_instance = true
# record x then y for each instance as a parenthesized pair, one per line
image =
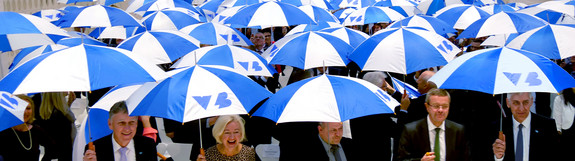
(526, 135)
(330, 145)
(434, 137)
(122, 144)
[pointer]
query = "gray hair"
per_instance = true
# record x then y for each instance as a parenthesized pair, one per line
(376, 78)
(511, 94)
(118, 107)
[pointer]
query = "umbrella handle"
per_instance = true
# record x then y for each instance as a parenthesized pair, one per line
(91, 146)
(162, 157)
(501, 137)
(202, 152)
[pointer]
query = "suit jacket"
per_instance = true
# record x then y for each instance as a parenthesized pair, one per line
(414, 141)
(543, 142)
(314, 151)
(144, 146)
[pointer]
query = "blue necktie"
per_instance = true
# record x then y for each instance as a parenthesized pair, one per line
(519, 147)
(123, 156)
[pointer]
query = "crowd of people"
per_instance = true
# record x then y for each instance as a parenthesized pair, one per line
(441, 125)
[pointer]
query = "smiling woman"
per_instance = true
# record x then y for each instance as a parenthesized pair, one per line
(229, 132)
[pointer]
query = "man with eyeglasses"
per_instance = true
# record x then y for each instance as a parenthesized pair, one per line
(434, 137)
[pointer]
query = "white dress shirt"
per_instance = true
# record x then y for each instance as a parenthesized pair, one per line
(563, 114)
(526, 137)
(131, 152)
(327, 148)
(431, 130)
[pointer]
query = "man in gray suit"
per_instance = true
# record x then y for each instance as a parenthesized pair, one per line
(434, 137)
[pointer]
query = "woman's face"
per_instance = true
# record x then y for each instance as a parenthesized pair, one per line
(28, 112)
(232, 135)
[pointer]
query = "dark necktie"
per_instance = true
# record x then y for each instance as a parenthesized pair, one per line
(123, 156)
(519, 147)
(335, 151)
(437, 148)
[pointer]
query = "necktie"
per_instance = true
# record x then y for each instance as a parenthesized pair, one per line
(335, 150)
(437, 149)
(519, 142)
(123, 156)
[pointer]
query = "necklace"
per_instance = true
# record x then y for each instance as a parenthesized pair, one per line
(29, 133)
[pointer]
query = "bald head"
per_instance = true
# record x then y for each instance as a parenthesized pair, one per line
(423, 84)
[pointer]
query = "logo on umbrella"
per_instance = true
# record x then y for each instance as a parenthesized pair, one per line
(531, 78)
(255, 66)
(7, 102)
(222, 100)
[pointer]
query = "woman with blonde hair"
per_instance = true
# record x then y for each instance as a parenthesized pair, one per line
(58, 121)
(229, 132)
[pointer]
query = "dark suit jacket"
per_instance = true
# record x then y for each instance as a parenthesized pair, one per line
(314, 151)
(543, 142)
(144, 146)
(414, 142)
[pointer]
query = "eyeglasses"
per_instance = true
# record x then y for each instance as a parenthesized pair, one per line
(438, 106)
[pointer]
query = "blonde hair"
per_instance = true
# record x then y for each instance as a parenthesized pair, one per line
(30, 103)
(221, 124)
(51, 100)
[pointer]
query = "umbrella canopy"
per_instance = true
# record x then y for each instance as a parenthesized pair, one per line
(109, 2)
(97, 16)
(197, 92)
(351, 36)
(323, 4)
(224, 15)
(157, 5)
(116, 32)
(326, 98)
(74, 1)
(160, 46)
(372, 14)
(343, 13)
(563, 6)
(402, 87)
(30, 52)
(389, 3)
(502, 23)
(243, 60)
(49, 14)
(11, 110)
(86, 67)
(427, 22)
(460, 16)
(318, 14)
(216, 34)
(77, 41)
(319, 26)
(431, 7)
(352, 3)
(172, 19)
(269, 14)
(496, 8)
(23, 30)
(403, 50)
(545, 14)
(308, 50)
(558, 41)
(503, 70)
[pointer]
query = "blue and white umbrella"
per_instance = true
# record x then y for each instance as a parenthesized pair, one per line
(323, 4)
(558, 41)
(308, 27)
(517, 5)
(77, 41)
(30, 52)
(389, 3)
(326, 98)
(224, 15)
(270, 14)
(487, 2)
(49, 14)
(23, 30)
(351, 36)
(109, 2)
(235, 3)
(431, 7)
(97, 16)
(407, 11)
(403, 51)
(308, 50)
(211, 5)
(318, 14)
(172, 19)
(427, 22)
(116, 32)
(496, 8)
(11, 110)
(502, 23)
(503, 70)
(546, 14)
(161, 46)
(243, 60)
(216, 34)
(87, 68)
(352, 3)
(197, 92)
(402, 87)
(343, 13)
(136, 4)
(461, 16)
(372, 14)
(563, 6)
(157, 5)
(74, 1)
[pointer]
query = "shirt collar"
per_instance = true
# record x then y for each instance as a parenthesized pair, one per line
(526, 123)
(431, 126)
(117, 146)
(326, 145)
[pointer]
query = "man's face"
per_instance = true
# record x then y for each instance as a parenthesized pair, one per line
(124, 127)
(232, 135)
(438, 109)
(259, 39)
(520, 104)
(331, 132)
(268, 38)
